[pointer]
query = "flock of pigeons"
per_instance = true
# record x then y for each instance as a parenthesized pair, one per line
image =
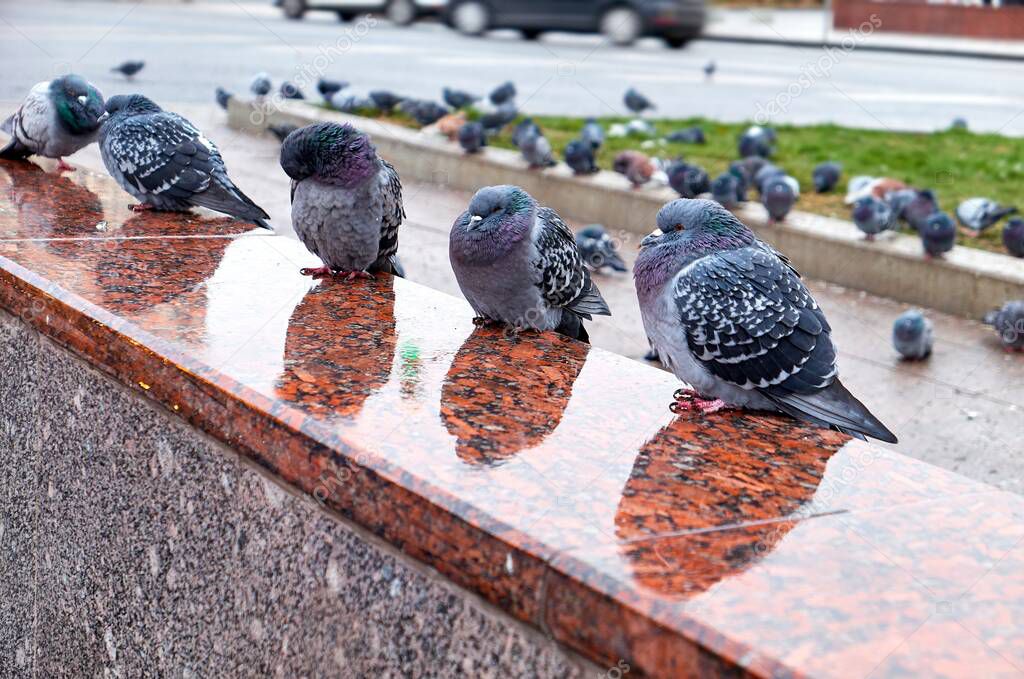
(725, 311)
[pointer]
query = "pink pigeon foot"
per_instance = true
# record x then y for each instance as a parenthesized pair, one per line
(317, 272)
(64, 167)
(141, 207)
(688, 399)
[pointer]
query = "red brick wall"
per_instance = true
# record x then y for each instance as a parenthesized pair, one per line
(918, 17)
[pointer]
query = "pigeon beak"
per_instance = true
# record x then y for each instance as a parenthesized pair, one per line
(103, 117)
(474, 220)
(82, 99)
(651, 238)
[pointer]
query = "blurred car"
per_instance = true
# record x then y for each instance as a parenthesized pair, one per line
(621, 21)
(402, 12)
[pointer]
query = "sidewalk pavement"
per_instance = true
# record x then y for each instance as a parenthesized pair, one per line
(960, 410)
(813, 28)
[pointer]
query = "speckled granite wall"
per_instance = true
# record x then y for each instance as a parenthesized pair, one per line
(130, 545)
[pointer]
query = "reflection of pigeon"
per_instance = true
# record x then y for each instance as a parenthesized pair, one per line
(222, 96)
(691, 135)
(637, 167)
(166, 163)
(503, 93)
(912, 335)
(472, 137)
(260, 85)
(1009, 323)
(56, 119)
(1013, 236)
(592, 133)
(346, 200)
(918, 210)
(598, 249)
(327, 88)
(579, 155)
(757, 141)
(636, 102)
(707, 316)
(725, 189)
(385, 100)
(978, 214)
(938, 234)
(283, 130)
(129, 68)
(542, 286)
(826, 176)
(290, 91)
(778, 197)
(458, 99)
(872, 216)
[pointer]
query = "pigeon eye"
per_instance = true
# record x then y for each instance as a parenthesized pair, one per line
(679, 227)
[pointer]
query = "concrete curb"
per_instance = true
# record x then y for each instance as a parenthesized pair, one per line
(865, 47)
(967, 283)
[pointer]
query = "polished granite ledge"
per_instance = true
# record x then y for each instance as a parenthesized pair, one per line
(544, 475)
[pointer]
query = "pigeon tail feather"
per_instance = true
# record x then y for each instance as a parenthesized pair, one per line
(589, 302)
(834, 407)
(229, 200)
(572, 327)
(15, 150)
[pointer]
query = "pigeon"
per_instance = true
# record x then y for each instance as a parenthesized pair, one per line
(879, 187)
(737, 169)
(327, 88)
(640, 128)
(260, 85)
(350, 103)
(592, 133)
(912, 335)
(386, 101)
(959, 123)
(938, 235)
(918, 210)
(129, 68)
(899, 200)
(283, 130)
(536, 150)
(290, 91)
(472, 137)
(872, 216)
(767, 172)
(598, 249)
(689, 181)
(1009, 323)
(494, 121)
(579, 156)
(166, 163)
(709, 69)
(825, 176)
(636, 102)
(778, 198)
(450, 125)
(503, 94)
(725, 189)
(423, 112)
(517, 263)
(691, 135)
(56, 119)
(751, 165)
(731, 317)
(223, 97)
(978, 214)
(757, 141)
(1013, 236)
(637, 167)
(346, 201)
(523, 129)
(458, 99)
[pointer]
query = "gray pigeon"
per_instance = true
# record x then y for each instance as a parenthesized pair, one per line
(472, 137)
(899, 200)
(636, 102)
(458, 99)
(517, 263)
(282, 131)
(598, 249)
(938, 235)
(592, 133)
(778, 197)
(327, 88)
(290, 91)
(725, 189)
(166, 163)
(503, 94)
(579, 155)
(223, 97)
(688, 180)
(959, 123)
(494, 121)
(767, 172)
(128, 68)
(56, 119)
(825, 176)
(351, 103)
(523, 129)
(757, 141)
(912, 335)
(386, 101)
(346, 200)
(691, 135)
(260, 85)
(1013, 236)
(918, 210)
(872, 216)
(978, 214)
(536, 150)
(423, 112)
(730, 316)
(1009, 323)
(738, 170)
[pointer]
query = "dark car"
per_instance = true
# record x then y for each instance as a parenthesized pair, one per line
(401, 12)
(621, 21)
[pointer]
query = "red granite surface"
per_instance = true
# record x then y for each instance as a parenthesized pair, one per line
(544, 475)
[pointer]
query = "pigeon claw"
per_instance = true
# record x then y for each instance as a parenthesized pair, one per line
(317, 272)
(483, 321)
(63, 166)
(350, 276)
(141, 207)
(690, 400)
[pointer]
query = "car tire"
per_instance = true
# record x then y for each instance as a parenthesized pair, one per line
(470, 17)
(401, 12)
(531, 33)
(294, 9)
(621, 25)
(346, 16)
(677, 42)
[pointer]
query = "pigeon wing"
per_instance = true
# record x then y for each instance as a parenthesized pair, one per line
(393, 214)
(565, 282)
